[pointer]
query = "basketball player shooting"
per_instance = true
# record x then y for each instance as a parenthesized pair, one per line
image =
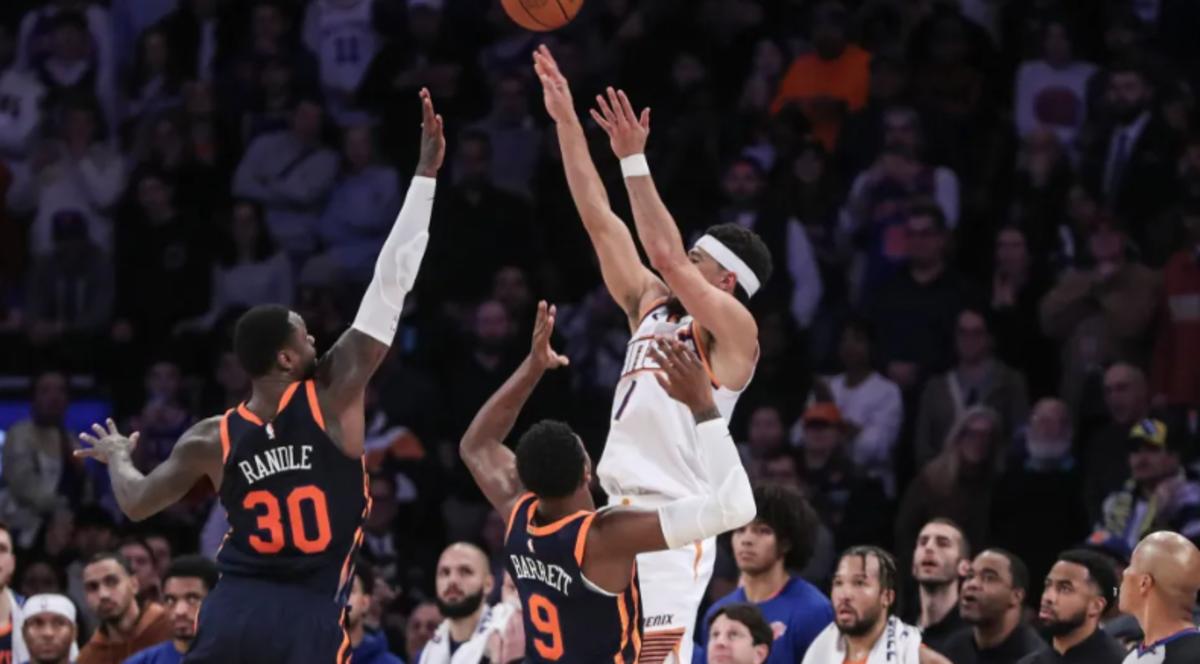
(651, 455)
(288, 463)
(569, 561)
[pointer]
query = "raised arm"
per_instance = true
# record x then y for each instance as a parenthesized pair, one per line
(196, 454)
(631, 284)
(618, 535)
(717, 311)
(345, 370)
(482, 447)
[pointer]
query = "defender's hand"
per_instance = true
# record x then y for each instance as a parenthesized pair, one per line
(682, 375)
(433, 140)
(541, 354)
(106, 443)
(556, 91)
(626, 132)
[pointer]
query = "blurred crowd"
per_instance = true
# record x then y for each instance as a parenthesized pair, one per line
(985, 217)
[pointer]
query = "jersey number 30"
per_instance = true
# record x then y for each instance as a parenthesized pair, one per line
(544, 616)
(270, 522)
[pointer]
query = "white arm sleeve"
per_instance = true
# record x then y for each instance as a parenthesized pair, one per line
(730, 504)
(399, 260)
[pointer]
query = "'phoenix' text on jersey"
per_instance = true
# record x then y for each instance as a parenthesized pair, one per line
(276, 460)
(551, 575)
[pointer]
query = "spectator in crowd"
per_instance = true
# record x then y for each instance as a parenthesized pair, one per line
(764, 438)
(762, 81)
(11, 614)
(343, 36)
(942, 558)
(914, 313)
(514, 140)
(1018, 285)
(977, 378)
(361, 207)
(249, 270)
(778, 540)
(870, 405)
(1101, 313)
(1038, 509)
(1159, 589)
(959, 483)
(993, 595)
(265, 38)
(738, 634)
(195, 28)
(40, 472)
(1052, 91)
(1079, 588)
(71, 66)
(1159, 493)
(853, 507)
(141, 560)
(366, 647)
(162, 549)
(155, 85)
(77, 171)
(71, 292)
(290, 173)
(863, 133)
(1043, 182)
(1132, 165)
(463, 581)
(830, 81)
(163, 419)
(864, 592)
(49, 629)
(126, 627)
(1106, 455)
(21, 117)
(185, 585)
(1176, 369)
(420, 627)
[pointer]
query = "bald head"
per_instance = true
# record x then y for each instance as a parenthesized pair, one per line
(463, 578)
(1163, 577)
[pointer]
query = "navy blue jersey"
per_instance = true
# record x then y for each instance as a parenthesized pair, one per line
(567, 619)
(6, 653)
(295, 502)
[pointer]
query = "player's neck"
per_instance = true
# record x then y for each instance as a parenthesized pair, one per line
(356, 634)
(990, 636)
(762, 587)
(5, 606)
(858, 648)
(461, 629)
(122, 629)
(936, 602)
(1158, 625)
(550, 510)
(1075, 637)
(265, 396)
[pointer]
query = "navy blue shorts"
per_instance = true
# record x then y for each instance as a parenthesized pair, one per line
(252, 621)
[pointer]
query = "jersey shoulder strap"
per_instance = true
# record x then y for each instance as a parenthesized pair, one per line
(519, 513)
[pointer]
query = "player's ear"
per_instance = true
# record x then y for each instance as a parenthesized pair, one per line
(489, 582)
(760, 653)
(133, 583)
(964, 568)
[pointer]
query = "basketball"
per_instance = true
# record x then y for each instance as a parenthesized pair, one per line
(541, 15)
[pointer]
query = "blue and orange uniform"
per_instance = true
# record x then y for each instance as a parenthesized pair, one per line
(295, 504)
(6, 643)
(567, 618)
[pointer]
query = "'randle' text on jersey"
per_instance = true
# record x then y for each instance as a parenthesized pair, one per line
(276, 460)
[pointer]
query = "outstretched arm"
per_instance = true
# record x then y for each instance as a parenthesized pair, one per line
(717, 311)
(618, 535)
(196, 454)
(628, 280)
(493, 465)
(347, 368)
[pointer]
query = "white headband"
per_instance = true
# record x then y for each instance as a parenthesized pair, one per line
(49, 603)
(730, 261)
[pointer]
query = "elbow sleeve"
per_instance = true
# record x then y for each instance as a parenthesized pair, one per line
(730, 504)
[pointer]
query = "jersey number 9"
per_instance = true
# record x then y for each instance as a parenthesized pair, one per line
(544, 616)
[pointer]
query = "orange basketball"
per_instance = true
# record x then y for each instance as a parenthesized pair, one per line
(541, 15)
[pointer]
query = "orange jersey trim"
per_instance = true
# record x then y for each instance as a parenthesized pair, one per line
(581, 539)
(248, 414)
(6, 629)
(225, 444)
(619, 657)
(698, 336)
(637, 624)
(286, 398)
(315, 406)
(512, 514)
(696, 563)
(551, 528)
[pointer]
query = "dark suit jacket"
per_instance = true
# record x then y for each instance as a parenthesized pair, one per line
(1148, 181)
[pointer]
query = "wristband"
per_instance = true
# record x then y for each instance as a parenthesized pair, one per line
(635, 165)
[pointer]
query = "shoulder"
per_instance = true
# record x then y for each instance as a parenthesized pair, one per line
(798, 588)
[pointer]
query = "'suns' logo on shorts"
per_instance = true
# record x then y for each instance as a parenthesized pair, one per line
(659, 621)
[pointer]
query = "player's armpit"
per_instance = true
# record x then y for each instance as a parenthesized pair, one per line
(197, 454)
(615, 538)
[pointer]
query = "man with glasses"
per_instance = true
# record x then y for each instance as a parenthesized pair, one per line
(992, 598)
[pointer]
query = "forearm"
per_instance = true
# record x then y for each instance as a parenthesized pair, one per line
(655, 226)
(128, 484)
(495, 420)
(587, 189)
(730, 502)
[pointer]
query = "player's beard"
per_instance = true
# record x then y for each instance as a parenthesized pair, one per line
(864, 624)
(462, 608)
(1062, 627)
(310, 370)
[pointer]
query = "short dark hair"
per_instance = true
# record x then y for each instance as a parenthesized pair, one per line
(888, 572)
(264, 245)
(925, 209)
(193, 567)
(964, 548)
(784, 510)
(1020, 573)
(114, 556)
(258, 336)
(1100, 571)
(550, 459)
(750, 616)
(748, 246)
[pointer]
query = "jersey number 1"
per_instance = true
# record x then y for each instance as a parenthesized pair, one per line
(544, 616)
(271, 522)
